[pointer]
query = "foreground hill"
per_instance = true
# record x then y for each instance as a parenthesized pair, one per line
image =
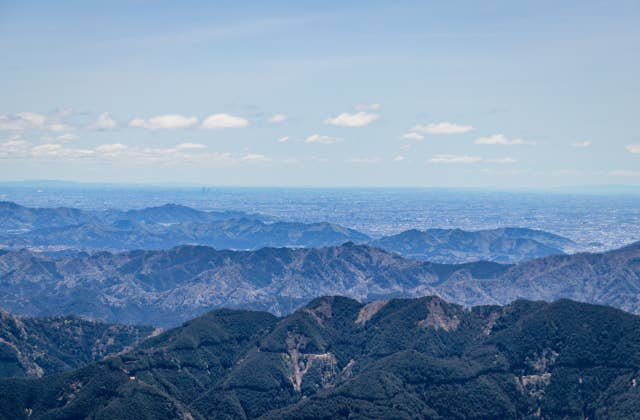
(40, 346)
(63, 229)
(164, 288)
(337, 358)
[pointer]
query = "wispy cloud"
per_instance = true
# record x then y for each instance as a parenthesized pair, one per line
(104, 122)
(633, 148)
(191, 146)
(111, 150)
(582, 144)
(317, 138)
(59, 151)
(502, 140)
(13, 147)
(448, 159)
(255, 157)
(163, 122)
(365, 159)
(33, 121)
(470, 159)
(442, 128)
(501, 160)
(283, 139)
(358, 119)
(62, 138)
(624, 172)
(413, 136)
(277, 118)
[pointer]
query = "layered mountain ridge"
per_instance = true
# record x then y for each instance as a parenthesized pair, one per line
(62, 230)
(166, 287)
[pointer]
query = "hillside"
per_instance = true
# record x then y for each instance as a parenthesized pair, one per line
(337, 358)
(40, 346)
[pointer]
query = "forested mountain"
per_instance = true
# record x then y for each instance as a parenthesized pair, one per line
(337, 358)
(164, 288)
(40, 346)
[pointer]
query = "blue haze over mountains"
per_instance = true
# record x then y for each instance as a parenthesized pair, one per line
(595, 219)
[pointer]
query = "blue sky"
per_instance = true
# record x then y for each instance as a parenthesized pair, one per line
(452, 94)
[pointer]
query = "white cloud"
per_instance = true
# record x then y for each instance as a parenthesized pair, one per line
(111, 150)
(582, 144)
(470, 159)
(190, 146)
(365, 159)
(31, 121)
(413, 136)
(58, 151)
(179, 154)
(224, 121)
(317, 138)
(160, 122)
(45, 149)
(255, 157)
(277, 118)
(501, 160)
(283, 139)
(367, 107)
(624, 172)
(502, 140)
(633, 148)
(13, 146)
(67, 137)
(359, 119)
(455, 159)
(60, 127)
(442, 128)
(63, 138)
(104, 122)
(8, 123)
(398, 158)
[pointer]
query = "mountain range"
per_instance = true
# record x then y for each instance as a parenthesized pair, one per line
(15, 218)
(61, 230)
(166, 287)
(35, 347)
(338, 358)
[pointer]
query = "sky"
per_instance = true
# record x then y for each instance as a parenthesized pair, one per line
(303, 93)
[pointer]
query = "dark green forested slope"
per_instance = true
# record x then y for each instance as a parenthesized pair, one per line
(337, 358)
(39, 346)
